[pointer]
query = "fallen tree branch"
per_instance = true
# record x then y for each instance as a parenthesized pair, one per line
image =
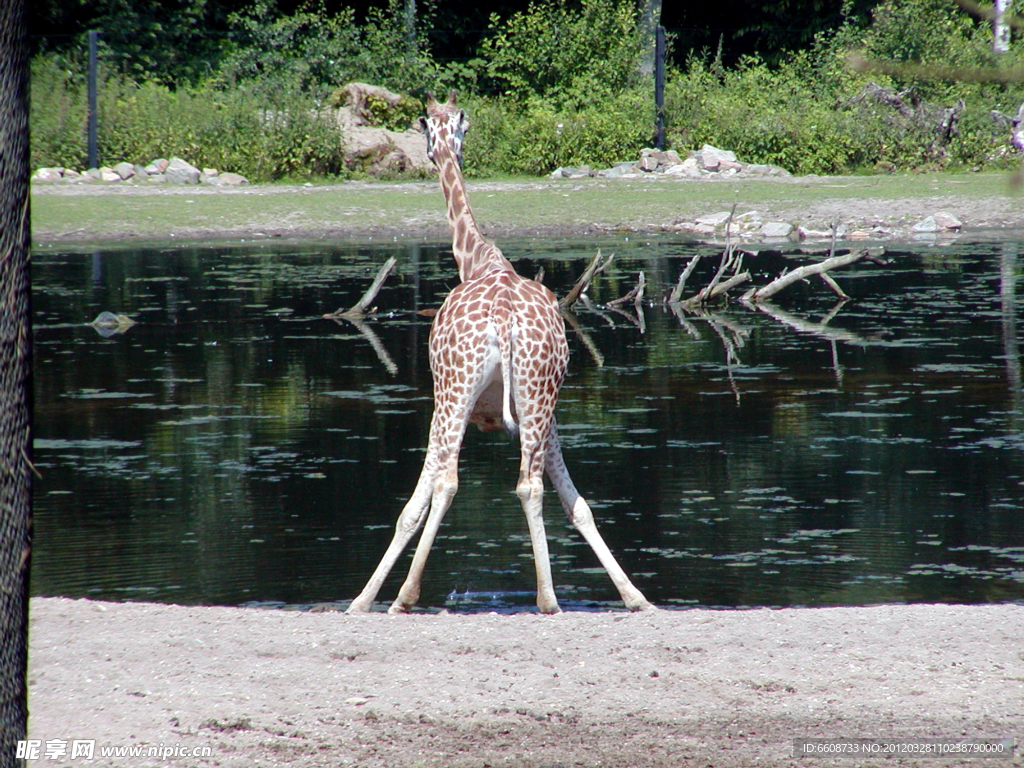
(594, 268)
(677, 292)
(359, 308)
(731, 259)
(636, 295)
(801, 273)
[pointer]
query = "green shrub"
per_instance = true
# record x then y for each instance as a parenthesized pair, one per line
(570, 55)
(264, 134)
(319, 52)
(58, 115)
(536, 138)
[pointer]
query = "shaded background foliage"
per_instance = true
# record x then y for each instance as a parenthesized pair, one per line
(241, 84)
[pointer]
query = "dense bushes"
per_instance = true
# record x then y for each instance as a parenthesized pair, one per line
(557, 84)
(262, 133)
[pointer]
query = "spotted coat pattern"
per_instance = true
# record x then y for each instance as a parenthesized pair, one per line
(498, 355)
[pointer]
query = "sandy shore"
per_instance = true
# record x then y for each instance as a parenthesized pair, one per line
(690, 688)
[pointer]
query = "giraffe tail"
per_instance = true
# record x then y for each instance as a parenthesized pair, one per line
(505, 342)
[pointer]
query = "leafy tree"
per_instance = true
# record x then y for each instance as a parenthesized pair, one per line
(568, 54)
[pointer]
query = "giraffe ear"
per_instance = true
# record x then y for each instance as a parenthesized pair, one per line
(451, 98)
(431, 101)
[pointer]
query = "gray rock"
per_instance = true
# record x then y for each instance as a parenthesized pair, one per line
(710, 157)
(652, 160)
(179, 171)
(926, 225)
(124, 170)
(947, 221)
(714, 219)
(232, 179)
(688, 167)
(776, 229)
(619, 170)
(572, 173)
(48, 174)
(157, 166)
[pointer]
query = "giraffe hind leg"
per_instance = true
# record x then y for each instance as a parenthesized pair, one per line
(582, 518)
(409, 522)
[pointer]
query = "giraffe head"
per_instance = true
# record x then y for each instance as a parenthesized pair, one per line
(445, 126)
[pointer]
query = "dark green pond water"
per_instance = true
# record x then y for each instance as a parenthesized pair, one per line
(233, 447)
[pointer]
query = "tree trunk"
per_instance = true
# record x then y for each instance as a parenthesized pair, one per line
(1000, 27)
(15, 373)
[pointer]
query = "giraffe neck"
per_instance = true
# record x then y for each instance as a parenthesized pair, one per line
(475, 255)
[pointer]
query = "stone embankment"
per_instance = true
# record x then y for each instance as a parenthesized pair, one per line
(710, 163)
(706, 163)
(749, 226)
(161, 171)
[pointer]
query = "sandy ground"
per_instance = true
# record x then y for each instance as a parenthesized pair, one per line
(667, 688)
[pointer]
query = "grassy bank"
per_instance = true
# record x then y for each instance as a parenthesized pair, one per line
(416, 209)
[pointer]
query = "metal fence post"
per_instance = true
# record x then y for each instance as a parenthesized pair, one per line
(659, 87)
(93, 151)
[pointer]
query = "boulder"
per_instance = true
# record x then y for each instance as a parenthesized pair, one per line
(48, 174)
(358, 97)
(124, 170)
(157, 166)
(776, 229)
(179, 171)
(652, 160)
(232, 179)
(709, 157)
(714, 219)
(618, 170)
(583, 172)
(689, 167)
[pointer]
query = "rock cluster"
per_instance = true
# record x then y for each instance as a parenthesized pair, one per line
(753, 226)
(705, 163)
(173, 171)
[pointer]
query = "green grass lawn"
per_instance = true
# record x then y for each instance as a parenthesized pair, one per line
(416, 208)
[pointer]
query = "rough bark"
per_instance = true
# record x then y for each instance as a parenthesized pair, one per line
(15, 373)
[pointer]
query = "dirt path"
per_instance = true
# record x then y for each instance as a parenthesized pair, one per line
(689, 688)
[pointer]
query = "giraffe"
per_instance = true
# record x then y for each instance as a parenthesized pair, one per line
(498, 355)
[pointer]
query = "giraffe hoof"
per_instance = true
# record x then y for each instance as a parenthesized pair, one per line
(358, 606)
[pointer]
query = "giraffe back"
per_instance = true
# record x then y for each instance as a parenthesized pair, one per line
(504, 328)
